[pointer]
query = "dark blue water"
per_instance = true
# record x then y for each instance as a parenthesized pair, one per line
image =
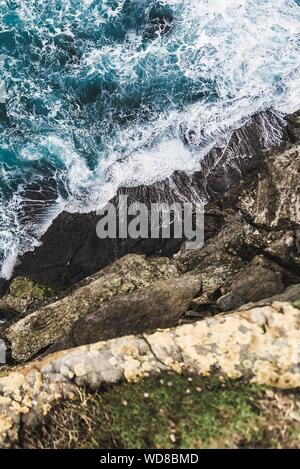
(101, 93)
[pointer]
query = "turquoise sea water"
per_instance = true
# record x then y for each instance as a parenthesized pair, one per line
(95, 94)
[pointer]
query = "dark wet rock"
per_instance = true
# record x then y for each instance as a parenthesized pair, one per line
(294, 127)
(4, 284)
(71, 250)
(6, 316)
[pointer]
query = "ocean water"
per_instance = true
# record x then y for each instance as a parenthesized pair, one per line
(96, 94)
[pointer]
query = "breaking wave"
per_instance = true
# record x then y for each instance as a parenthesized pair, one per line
(98, 94)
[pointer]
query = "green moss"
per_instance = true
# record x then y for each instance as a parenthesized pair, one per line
(166, 412)
(296, 304)
(22, 287)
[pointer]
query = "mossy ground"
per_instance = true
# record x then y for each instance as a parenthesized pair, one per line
(174, 412)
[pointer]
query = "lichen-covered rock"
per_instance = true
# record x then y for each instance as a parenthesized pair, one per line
(260, 344)
(138, 271)
(44, 326)
(259, 279)
(24, 294)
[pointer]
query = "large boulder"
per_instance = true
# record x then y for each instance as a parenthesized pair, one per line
(260, 279)
(43, 327)
(160, 305)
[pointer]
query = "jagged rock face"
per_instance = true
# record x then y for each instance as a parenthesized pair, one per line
(275, 200)
(254, 252)
(260, 344)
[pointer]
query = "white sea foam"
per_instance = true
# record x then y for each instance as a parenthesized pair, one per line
(249, 48)
(240, 56)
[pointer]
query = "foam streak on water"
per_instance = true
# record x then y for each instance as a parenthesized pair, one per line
(105, 93)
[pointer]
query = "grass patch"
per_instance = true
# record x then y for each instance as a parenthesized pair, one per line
(173, 412)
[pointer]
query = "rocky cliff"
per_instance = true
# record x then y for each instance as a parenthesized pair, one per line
(230, 309)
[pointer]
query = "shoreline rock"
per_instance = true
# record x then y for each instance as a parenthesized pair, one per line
(71, 250)
(255, 251)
